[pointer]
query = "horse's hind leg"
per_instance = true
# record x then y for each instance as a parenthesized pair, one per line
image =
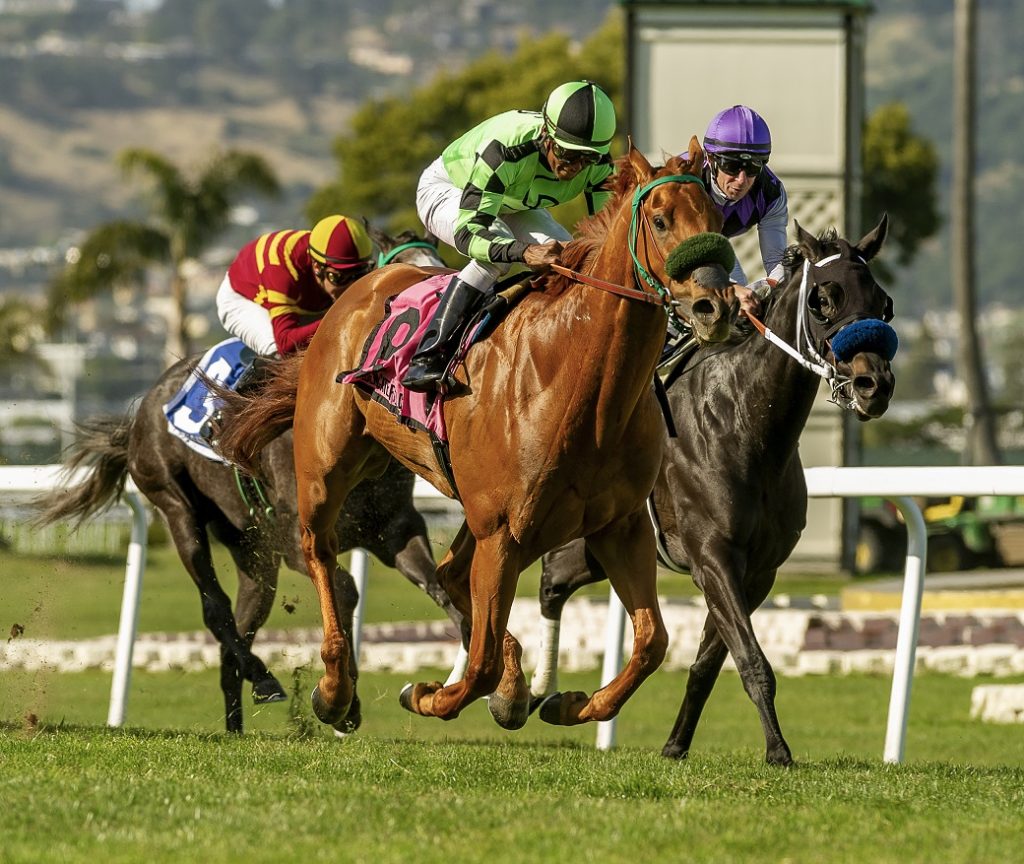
(730, 609)
(493, 655)
(323, 483)
(257, 586)
(627, 553)
(509, 704)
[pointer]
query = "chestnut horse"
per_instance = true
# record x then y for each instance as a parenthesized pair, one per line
(199, 497)
(731, 501)
(556, 434)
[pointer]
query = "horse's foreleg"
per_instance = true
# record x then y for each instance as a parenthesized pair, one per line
(193, 547)
(494, 655)
(731, 609)
(626, 552)
(699, 684)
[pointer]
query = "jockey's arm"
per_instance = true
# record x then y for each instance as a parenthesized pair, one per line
(284, 300)
(771, 236)
(597, 193)
(481, 203)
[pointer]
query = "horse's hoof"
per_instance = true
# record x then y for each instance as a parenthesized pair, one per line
(506, 713)
(405, 698)
(536, 702)
(324, 712)
(353, 720)
(268, 690)
(674, 751)
(780, 757)
(550, 709)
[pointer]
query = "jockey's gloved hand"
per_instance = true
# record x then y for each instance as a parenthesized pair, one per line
(540, 256)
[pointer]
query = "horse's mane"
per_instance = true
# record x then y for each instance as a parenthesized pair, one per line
(593, 230)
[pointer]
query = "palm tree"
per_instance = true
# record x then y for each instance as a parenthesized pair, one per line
(20, 333)
(187, 214)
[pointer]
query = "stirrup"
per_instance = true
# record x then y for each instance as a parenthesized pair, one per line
(425, 373)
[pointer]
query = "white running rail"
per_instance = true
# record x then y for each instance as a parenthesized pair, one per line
(38, 479)
(898, 484)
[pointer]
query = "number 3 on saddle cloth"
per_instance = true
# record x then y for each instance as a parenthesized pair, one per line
(388, 352)
(191, 413)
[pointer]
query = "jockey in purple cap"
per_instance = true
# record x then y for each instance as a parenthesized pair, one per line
(737, 145)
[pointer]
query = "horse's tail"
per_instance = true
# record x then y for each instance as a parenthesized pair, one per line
(252, 419)
(102, 448)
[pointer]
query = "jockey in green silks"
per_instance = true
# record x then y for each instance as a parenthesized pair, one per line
(488, 195)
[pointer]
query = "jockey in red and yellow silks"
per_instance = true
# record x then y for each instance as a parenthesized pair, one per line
(281, 284)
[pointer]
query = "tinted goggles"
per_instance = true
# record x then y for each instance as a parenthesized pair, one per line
(575, 157)
(732, 166)
(340, 277)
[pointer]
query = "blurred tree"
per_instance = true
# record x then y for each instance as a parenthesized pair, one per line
(393, 139)
(21, 331)
(899, 175)
(187, 215)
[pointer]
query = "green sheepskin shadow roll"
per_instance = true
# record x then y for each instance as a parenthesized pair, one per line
(701, 249)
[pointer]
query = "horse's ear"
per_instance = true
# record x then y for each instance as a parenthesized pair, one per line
(379, 237)
(807, 242)
(871, 242)
(641, 167)
(432, 238)
(696, 155)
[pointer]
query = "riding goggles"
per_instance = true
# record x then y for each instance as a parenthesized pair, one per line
(340, 277)
(573, 157)
(732, 165)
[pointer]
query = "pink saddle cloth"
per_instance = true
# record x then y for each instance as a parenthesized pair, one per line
(388, 352)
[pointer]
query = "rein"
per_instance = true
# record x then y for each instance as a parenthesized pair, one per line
(386, 258)
(662, 296)
(610, 287)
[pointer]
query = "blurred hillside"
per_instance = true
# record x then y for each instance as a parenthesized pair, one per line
(84, 78)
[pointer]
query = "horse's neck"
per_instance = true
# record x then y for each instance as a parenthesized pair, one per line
(788, 390)
(636, 328)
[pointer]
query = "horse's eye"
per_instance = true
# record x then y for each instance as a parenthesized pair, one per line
(659, 223)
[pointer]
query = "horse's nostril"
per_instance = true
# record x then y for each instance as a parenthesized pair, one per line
(704, 308)
(866, 385)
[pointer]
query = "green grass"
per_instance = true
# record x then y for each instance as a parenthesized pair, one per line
(80, 597)
(407, 788)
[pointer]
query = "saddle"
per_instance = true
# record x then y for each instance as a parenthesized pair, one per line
(390, 347)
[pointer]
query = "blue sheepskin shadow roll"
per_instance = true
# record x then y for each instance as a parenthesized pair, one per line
(871, 335)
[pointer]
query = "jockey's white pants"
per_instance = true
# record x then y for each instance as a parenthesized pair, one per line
(245, 319)
(437, 203)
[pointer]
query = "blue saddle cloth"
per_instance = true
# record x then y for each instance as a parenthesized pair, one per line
(191, 409)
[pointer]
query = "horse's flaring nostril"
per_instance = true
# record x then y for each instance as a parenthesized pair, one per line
(705, 309)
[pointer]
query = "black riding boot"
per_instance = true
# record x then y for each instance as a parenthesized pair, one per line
(458, 303)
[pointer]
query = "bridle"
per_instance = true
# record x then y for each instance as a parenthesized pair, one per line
(806, 350)
(387, 257)
(638, 223)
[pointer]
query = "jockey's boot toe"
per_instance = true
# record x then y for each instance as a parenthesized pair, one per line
(424, 373)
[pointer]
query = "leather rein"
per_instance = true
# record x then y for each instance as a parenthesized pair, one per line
(638, 222)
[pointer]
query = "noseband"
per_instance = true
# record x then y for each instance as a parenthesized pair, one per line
(878, 337)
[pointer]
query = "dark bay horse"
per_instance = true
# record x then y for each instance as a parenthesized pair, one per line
(556, 434)
(199, 498)
(730, 501)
